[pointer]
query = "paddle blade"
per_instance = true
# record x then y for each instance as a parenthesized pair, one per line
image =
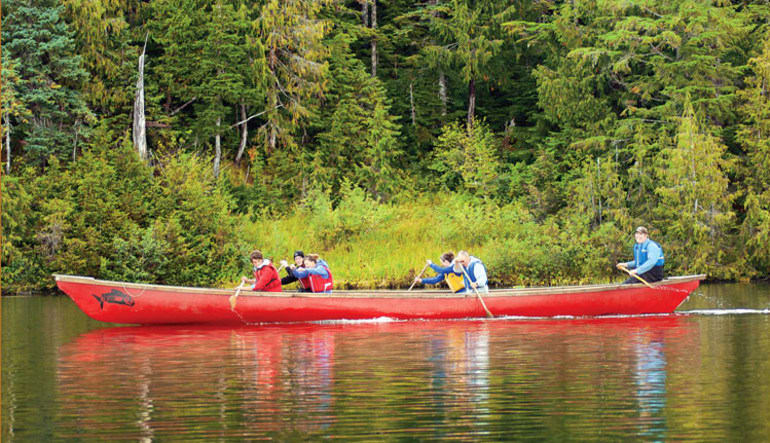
(232, 299)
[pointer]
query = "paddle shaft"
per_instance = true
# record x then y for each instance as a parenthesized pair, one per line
(489, 314)
(637, 277)
(418, 276)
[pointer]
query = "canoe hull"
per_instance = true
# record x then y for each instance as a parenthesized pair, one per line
(130, 303)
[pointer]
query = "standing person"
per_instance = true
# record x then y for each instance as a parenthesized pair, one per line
(299, 260)
(475, 275)
(317, 270)
(648, 259)
(265, 275)
(449, 272)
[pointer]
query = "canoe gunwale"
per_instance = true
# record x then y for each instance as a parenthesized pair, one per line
(382, 293)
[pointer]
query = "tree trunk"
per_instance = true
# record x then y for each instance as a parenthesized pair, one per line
(365, 13)
(271, 140)
(442, 92)
(217, 149)
(471, 102)
(7, 143)
(411, 103)
(139, 133)
(244, 135)
(374, 38)
(75, 145)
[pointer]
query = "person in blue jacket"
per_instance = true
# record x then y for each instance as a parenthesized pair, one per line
(648, 259)
(318, 273)
(449, 272)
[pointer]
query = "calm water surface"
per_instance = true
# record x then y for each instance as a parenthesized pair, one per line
(701, 375)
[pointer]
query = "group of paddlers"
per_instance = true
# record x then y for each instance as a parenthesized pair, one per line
(462, 273)
(311, 271)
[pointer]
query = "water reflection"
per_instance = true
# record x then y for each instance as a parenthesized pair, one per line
(435, 380)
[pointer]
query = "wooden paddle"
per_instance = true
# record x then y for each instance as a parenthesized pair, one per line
(235, 296)
(637, 277)
(489, 314)
(418, 276)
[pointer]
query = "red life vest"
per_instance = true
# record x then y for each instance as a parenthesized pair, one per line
(305, 282)
(320, 284)
(267, 279)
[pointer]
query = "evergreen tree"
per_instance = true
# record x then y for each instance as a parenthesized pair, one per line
(695, 211)
(103, 33)
(360, 140)
(467, 159)
(13, 108)
(50, 78)
(469, 32)
(754, 136)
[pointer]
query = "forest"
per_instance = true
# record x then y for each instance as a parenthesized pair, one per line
(161, 141)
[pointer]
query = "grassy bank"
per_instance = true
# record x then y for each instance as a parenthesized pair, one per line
(371, 245)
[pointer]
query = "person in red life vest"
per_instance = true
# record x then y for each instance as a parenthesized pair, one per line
(317, 272)
(299, 260)
(265, 275)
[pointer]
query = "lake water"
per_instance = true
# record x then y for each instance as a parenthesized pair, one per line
(702, 375)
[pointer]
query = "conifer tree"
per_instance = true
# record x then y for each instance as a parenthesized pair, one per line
(754, 135)
(470, 31)
(695, 211)
(360, 143)
(50, 77)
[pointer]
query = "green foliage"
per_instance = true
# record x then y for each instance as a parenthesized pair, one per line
(467, 159)
(754, 135)
(593, 116)
(697, 206)
(49, 78)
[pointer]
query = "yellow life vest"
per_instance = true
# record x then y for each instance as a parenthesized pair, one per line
(454, 281)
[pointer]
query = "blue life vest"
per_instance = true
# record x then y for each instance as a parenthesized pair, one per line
(471, 274)
(640, 253)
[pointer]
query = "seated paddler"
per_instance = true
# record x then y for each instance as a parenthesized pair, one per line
(299, 260)
(648, 259)
(265, 275)
(474, 272)
(448, 272)
(316, 270)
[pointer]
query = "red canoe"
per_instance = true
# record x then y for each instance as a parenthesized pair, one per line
(134, 303)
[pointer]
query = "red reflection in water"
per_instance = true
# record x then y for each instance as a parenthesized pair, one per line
(246, 381)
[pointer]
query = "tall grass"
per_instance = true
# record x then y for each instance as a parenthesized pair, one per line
(372, 245)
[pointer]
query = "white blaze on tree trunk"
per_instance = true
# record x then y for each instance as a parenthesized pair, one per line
(139, 133)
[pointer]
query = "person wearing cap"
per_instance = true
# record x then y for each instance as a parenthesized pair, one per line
(265, 275)
(304, 284)
(648, 259)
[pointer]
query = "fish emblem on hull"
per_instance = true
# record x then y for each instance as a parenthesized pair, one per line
(115, 297)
